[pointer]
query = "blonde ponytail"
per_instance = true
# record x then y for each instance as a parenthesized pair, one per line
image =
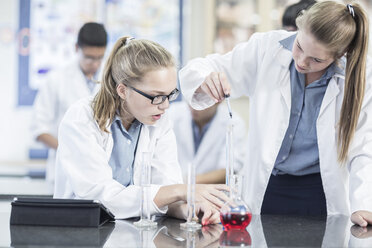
(355, 80)
(342, 31)
(107, 101)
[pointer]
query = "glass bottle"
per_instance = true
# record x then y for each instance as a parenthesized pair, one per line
(235, 213)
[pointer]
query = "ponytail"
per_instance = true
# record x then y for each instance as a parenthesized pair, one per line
(355, 80)
(343, 29)
(107, 101)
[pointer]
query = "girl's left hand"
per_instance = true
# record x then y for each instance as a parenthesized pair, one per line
(362, 218)
(209, 214)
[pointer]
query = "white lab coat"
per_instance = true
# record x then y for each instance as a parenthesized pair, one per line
(83, 171)
(259, 69)
(211, 154)
(63, 87)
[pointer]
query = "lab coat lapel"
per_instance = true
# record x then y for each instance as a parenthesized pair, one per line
(331, 93)
(284, 58)
(80, 83)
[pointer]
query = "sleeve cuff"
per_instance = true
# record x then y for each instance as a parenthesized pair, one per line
(155, 209)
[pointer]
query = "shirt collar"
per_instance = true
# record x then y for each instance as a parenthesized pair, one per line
(287, 43)
(118, 122)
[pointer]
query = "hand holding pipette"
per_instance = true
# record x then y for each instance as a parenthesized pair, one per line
(216, 86)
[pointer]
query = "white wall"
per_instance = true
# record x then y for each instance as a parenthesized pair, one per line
(14, 125)
(15, 135)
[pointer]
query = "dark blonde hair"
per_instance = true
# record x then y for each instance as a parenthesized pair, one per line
(128, 63)
(333, 25)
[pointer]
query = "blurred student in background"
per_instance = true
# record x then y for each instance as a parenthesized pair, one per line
(66, 85)
(291, 13)
(201, 139)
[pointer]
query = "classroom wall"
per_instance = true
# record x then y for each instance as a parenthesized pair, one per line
(199, 33)
(14, 132)
(57, 35)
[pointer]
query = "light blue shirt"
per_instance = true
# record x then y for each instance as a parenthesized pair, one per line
(299, 154)
(91, 82)
(124, 150)
(199, 134)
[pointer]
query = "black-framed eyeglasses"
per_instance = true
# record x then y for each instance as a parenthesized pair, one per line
(159, 99)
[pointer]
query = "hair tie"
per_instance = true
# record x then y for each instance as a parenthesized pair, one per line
(128, 40)
(351, 10)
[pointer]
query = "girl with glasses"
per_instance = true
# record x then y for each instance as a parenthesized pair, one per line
(102, 139)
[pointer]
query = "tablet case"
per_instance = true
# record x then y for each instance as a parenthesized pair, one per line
(59, 212)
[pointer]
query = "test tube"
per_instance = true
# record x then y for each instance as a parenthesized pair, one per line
(191, 224)
(145, 181)
(229, 153)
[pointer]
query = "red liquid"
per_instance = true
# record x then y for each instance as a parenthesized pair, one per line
(235, 238)
(235, 220)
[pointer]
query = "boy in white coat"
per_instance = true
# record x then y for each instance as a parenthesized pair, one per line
(67, 85)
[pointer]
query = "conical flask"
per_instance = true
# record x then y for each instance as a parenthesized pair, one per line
(235, 213)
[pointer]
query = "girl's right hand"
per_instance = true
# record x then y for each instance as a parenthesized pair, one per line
(216, 86)
(211, 193)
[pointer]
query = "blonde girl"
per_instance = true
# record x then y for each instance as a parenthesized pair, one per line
(102, 139)
(310, 130)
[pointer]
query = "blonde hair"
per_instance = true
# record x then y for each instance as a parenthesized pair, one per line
(335, 27)
(128, 62)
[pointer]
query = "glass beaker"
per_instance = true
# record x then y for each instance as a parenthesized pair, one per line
(235, 213)
(145, 181)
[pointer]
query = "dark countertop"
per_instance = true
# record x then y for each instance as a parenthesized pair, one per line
(263, 231)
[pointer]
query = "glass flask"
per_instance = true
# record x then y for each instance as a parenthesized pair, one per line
(235, 213)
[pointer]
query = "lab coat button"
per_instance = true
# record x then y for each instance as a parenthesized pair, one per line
(129, 142)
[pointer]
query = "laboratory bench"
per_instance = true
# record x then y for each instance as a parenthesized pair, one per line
(263, 231)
